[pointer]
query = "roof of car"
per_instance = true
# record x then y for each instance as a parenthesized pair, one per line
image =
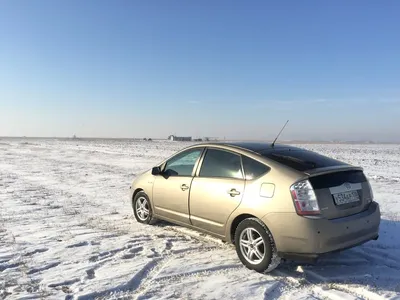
(257, 147)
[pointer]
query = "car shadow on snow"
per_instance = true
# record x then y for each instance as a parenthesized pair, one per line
(375, 264)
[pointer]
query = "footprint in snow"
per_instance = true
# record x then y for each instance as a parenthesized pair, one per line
(66, 289)
(136, 250)
(154, 254)
(40, 250)
(90, 273)
(81, 244)
(140, 238)
(43, 268)
(64, 283)
(168, 245)
(128, 256)
(8, 266)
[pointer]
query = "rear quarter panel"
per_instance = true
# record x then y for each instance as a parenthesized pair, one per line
(279, 202)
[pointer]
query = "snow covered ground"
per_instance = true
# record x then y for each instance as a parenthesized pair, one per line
(67, 232)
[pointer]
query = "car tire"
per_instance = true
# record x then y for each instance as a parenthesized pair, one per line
(142, 208)
(255, 246)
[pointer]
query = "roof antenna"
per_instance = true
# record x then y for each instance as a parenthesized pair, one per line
(273, 143)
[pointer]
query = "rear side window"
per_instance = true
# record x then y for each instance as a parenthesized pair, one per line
(302, 160)
(218, 163)
(253, 169)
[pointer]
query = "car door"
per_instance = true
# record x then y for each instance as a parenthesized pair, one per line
(171, 188)
(217, 190)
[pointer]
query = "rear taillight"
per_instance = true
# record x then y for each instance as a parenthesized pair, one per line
(304, 198)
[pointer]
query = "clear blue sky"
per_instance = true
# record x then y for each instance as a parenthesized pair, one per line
(201, 68)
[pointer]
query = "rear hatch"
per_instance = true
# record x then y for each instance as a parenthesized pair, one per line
(341, 193)
(341, 189)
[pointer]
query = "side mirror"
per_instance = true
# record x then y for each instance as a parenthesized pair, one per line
(156, 171)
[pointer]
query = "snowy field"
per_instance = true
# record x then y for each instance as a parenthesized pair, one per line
(67, 232)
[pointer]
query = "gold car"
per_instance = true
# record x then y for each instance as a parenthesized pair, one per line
(271, 201)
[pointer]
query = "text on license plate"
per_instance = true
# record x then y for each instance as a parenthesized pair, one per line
(346, 197)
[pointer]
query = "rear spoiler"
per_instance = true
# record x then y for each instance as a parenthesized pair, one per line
(326, 170)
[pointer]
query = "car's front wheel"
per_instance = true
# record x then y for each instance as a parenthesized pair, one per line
(142, 208)
(255, 246)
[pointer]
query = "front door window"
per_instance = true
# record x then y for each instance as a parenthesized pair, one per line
(183, 163)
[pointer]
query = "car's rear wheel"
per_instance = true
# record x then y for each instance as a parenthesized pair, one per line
(255, 246)
(142, 208)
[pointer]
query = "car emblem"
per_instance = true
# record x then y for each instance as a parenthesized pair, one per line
(347, 185)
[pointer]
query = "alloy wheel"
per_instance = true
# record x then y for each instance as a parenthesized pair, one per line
(252, 245)
(142, 208)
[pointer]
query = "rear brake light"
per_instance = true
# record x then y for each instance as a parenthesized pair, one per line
(304, 198)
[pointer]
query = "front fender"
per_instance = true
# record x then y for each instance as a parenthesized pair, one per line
(144, 183)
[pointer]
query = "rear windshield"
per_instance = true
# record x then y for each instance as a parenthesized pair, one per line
(302, 160)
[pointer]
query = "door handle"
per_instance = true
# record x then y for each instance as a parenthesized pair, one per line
(184, 187)
(233, 192)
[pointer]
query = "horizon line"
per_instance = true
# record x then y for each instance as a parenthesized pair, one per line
(305, 141)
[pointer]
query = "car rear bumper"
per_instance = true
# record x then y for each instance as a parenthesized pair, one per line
(309, 238)
(313, 257)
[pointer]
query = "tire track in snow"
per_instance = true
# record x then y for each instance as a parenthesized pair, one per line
(143, 277)
(326, 288)
(378, 258)
(129, 286)
(154, 276)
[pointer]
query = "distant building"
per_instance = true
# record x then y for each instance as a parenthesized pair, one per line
(180, 138)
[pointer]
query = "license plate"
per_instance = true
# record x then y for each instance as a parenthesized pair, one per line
(346, 197)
